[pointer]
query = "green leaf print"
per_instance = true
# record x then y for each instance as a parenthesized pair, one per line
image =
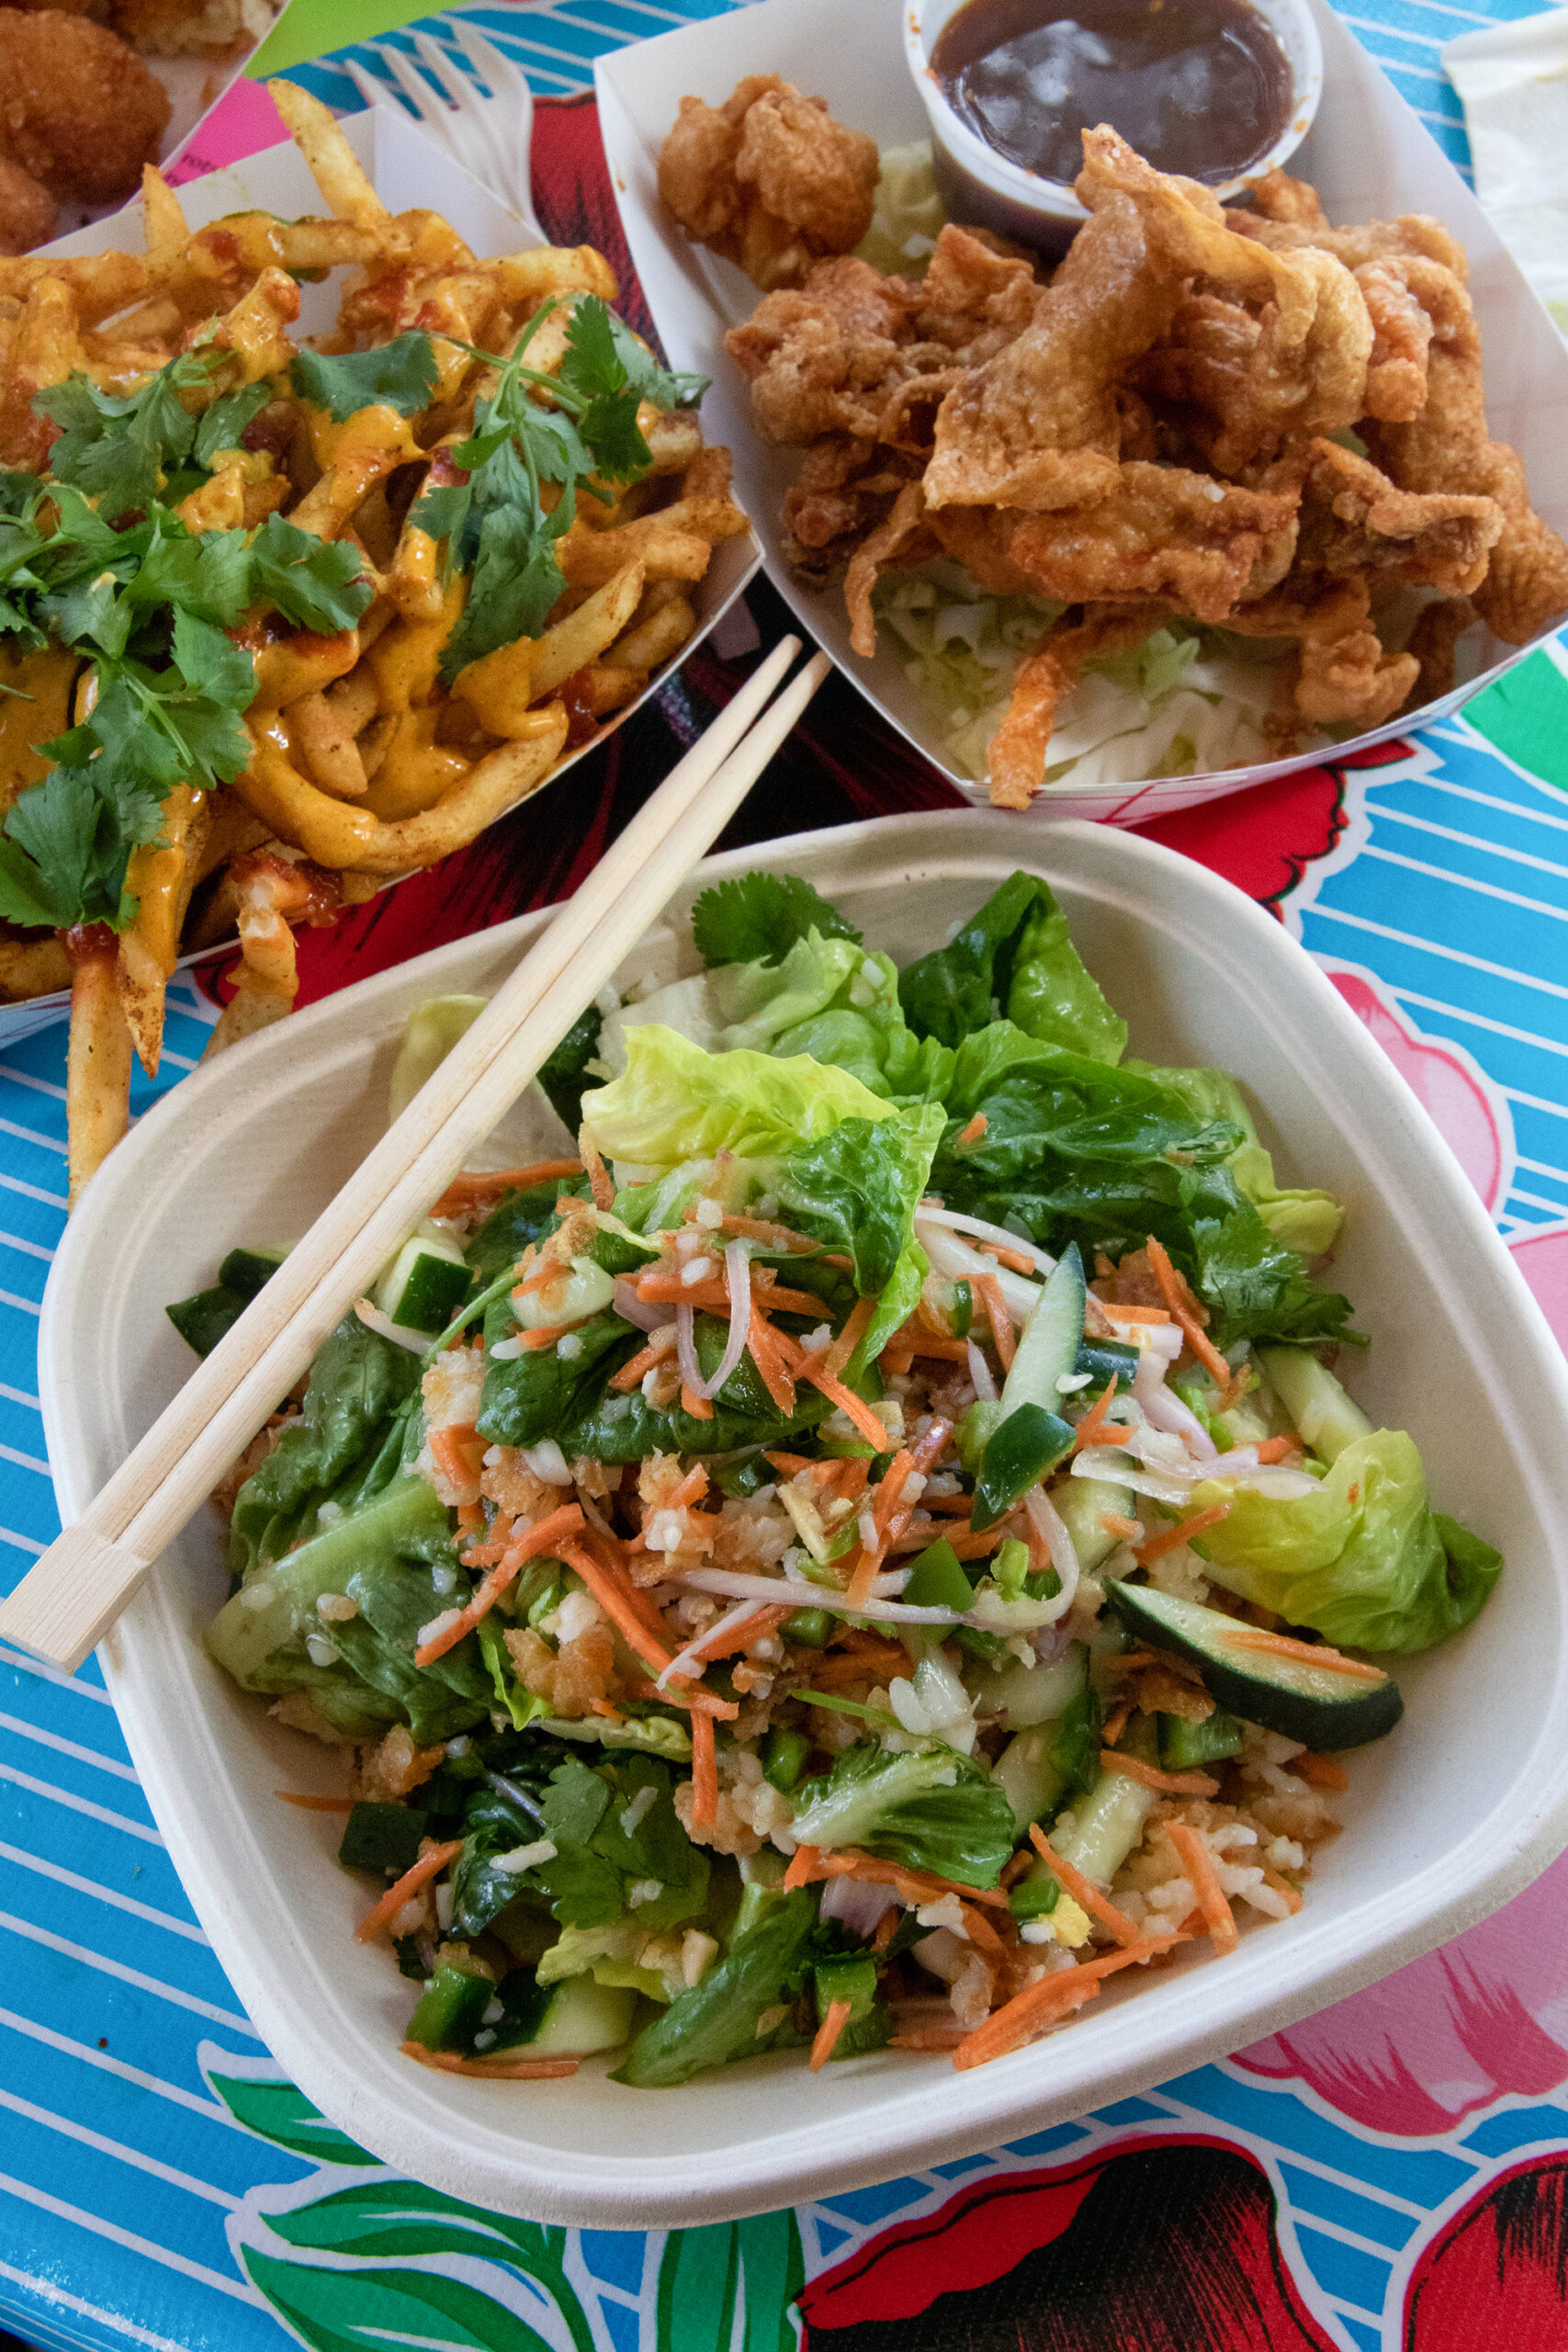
(278, 2112)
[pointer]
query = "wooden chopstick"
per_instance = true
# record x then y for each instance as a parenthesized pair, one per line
(76, 1589)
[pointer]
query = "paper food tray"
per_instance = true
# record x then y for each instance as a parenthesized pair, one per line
(408, 170)
(1444, 1820)
(1367, 154)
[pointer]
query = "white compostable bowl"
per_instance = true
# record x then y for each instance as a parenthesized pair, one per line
(1008, 197)
(1444, 1820)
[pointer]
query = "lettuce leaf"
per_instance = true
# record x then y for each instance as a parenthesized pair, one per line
(673, 1101)
(1013, 957)
(1305, 1218)
(1363, 1559)
(930, 1809)
(857, 1188)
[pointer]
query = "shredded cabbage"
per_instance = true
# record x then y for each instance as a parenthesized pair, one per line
(1188, 700)
(909, 217)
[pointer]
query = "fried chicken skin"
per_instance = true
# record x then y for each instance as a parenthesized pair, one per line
(768, 179)
(78, 112)
(27, 209)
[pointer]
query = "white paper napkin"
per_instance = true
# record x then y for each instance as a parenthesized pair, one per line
(1513, 83)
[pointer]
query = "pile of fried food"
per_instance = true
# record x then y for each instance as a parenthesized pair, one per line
(280, 621)
(1249, 419)
(80, 113)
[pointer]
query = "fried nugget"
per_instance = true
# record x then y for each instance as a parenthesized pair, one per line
(78, 112)
(1045, 680)
(1354, 520)
(27, 209)
(769, 179)
(1447, 448)
(1343, 673)
(1164, 533)
(1039, 426)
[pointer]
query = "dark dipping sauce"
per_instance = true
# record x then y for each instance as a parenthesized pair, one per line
(1197, 86)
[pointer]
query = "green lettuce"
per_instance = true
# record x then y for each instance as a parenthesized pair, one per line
(1013, 957)
(717, 2020)
(675, 1101)
(930, 1809)
(347, 1444)
(857, 1188)
(1304, 1219)
(1363, 1559)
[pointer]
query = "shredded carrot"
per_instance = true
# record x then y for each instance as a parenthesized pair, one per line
(632, 1374)
(766, 1620)
(599, 1183)
(928, 2037)
(772, 1364)
(1322, 1772)
(705, 1772)
(658, 1289)
(453, 1450)
(485, 1556)
(1170, 1538)
(1091, 1430)
(465, 1192)
(1253, 1637)
(315, 1805)
(838, 1667)
(887, 1928)
(828, 2034)
(471, 1519)
(982, 1935)
(380, 1917)
(697, 1409)
(689, 1695)
(802, 1867)
(1083, 1890)
(970, 1133)
(1001, 1321)
(857, 1323)
(1119, 1312)
(1292, 1895)
(544, 1335)
(1115, 1524)
(805, 1366)
(913, 1340)
(1013, 1259)
(909, 1885)
(692, 1489)
(1174, 1784)
(619, 1604)
(1274, 1449)
(1199, 1864)
(1190, 1314)
(491, 2070)
(1117, 1723)
(543, 1536)
(892, 1514)
(548, 1270)
(1050, 1999)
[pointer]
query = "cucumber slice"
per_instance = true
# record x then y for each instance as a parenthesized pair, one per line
(1033, 1694)
(1019, 1450)
(426, 1284)
(1049, 1344)
(574, 2018)
(1101, 1359)
(208, 1317)
(452, 2004)
(1183, 1745)
(1108, 1824)
(1325, 1416)
(247, 1270)
(1323, 1708)
(1082, 1503)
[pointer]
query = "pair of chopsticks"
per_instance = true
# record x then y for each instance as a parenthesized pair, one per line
(75, 1592)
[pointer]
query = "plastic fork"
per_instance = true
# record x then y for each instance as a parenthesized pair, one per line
(492, 135)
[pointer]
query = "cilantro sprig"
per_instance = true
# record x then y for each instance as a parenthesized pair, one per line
(495, 523)
(149, 605)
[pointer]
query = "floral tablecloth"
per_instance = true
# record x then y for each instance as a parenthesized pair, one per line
(1393, 2173)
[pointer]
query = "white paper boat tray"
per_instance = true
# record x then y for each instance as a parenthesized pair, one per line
(1444, 1820)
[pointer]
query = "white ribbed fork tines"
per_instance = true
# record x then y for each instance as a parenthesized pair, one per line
(484, 117)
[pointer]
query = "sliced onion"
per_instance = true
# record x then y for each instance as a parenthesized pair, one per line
(977, 1225)
(636, 1311)
(1166, 1409)
(1051, 1528)
(686, 1661)
(686, 1348)
(955, 1259)
(385, 1328)
(1122, 1471)
(980, 1373)
(730, 1584)
(738, 1273)
(859, 1907)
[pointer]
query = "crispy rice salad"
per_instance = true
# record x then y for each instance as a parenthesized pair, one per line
(862, 1549)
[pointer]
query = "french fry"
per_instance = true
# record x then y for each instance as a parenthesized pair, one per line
(268, 978)
(97, 1062)
(527, 279)
(36, 695)
(414, 577)
(588, 558)
(44, 348)
(161, 877)
(253, 329)
(414, 771)
(163, 226)
(499, 687)
(583, 635)
(32, 967)
(325, 736)
(610, 685)
(218, 505)
(357, 456)
(653, 640)
(673, 437)
(492, 786)
(331, 160)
